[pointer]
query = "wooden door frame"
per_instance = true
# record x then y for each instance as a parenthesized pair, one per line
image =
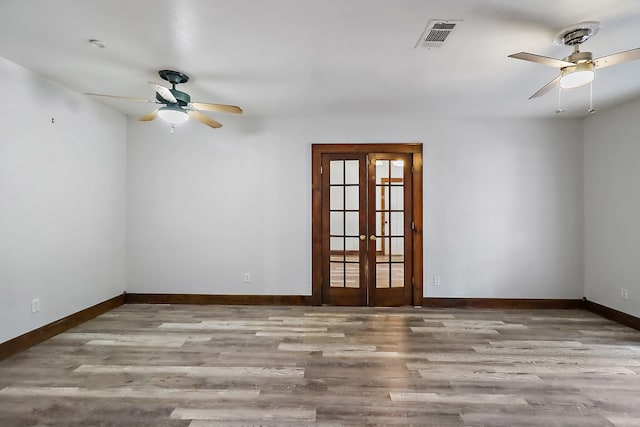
(317, 150)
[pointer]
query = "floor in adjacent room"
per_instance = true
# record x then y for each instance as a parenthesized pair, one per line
(179, 365)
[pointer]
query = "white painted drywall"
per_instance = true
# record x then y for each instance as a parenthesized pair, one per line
(206, 206)
(504, 210)
(62, 193)
(612, 207)
(503, 204)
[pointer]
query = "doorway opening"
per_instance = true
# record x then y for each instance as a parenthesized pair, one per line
(367, 224)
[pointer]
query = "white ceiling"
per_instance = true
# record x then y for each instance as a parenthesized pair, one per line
(323, 57)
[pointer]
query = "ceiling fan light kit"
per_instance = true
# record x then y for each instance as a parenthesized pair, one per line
(577, 69)
(177, 106)
(580, 75)
(173, 114)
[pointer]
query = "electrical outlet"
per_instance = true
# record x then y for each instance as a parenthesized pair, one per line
(436, 280)
(35, 305)
(624, 293)
(247, 277)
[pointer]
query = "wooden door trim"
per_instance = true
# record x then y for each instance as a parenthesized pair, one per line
(317, 150)
(417, 225)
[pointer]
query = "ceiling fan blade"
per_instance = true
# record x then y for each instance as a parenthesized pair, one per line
(204, 119)
(164, 92)
(148, 117)
(121, 97)
(221, 108)
(617, 58)
(539, 59)
(546, 88)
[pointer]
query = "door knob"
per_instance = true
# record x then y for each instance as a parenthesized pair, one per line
(363, 237)
(372, 237)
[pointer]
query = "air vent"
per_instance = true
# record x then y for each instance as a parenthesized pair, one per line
(438, 31)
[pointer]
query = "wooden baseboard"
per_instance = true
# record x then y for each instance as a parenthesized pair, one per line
(205, 299)
(503, 303)
(45, 332)
(612, 314)
(300, 300)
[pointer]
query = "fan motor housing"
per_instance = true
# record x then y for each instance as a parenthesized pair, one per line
(175, 77)
(183, 98)
(579, 57)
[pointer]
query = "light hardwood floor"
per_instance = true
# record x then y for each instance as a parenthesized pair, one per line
(168, 365)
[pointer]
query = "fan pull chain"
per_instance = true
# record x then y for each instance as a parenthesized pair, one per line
(173, 127)
(559, 109)
(591, 110)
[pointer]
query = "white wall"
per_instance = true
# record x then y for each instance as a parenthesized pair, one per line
(612, 207)
(205, 206)
(62, 193)
(504, 210)
(503, 204)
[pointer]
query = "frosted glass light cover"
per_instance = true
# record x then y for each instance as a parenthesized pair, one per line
(577, 76)
(576, 79)
(173, 115)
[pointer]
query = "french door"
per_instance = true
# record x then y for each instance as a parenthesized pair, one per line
(367, 238)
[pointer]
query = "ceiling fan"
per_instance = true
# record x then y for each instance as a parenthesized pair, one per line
(578, 68)
(177, 105)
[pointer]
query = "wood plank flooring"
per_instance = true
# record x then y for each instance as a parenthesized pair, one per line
(197, 366)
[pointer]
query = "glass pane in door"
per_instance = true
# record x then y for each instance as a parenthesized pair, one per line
(336, 223)
(351, 197)
(352, 224)
(397, 275)
(337, 198)
(352, 275)
(397, 169)
(396, 198)
(352, 171)
(382, 275)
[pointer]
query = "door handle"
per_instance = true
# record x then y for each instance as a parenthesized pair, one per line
(372, 237)
(363, 237)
